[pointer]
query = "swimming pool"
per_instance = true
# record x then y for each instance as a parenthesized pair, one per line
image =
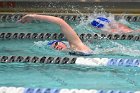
(69, 76)
(37, 47)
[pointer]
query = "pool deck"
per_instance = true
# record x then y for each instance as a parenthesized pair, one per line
(69, 7)
(133, 12)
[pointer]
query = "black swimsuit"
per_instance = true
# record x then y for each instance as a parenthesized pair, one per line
(78, 53)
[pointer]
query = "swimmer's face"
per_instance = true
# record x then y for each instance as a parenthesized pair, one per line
(59, 46)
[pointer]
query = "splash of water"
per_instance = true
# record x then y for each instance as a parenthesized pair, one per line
(42, 48)
(113, 48)
(119, 48)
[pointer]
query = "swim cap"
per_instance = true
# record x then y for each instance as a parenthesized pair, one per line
(99, 22)
(51, 42)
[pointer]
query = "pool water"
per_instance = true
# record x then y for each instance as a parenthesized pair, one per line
(69, 76)
(102, 48)
(66, 76)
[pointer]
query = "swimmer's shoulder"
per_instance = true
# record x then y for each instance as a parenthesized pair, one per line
(79, 53)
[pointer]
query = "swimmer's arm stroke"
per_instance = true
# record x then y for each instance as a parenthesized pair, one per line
(67, 30)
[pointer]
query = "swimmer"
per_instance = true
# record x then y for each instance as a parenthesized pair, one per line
(75, 47)
(104, 24)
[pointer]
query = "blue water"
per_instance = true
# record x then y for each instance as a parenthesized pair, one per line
(66, 76)
(69, 76)
(102, 48)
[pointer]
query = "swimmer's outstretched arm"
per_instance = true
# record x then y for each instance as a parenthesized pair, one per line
(67, 30)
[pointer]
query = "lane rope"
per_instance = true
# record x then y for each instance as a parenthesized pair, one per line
(60, 36)
(14, 17)
(55, 90)
(73, 60)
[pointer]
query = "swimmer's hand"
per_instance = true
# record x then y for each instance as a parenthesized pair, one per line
(26, 19)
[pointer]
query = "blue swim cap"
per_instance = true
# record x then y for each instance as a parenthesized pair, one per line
(51, 42)
(99, 22)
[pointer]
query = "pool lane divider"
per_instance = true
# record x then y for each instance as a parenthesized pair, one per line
(14, 17)
(73, 60)
(59, 36)
(55, 90)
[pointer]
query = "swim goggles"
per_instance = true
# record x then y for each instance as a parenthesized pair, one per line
(52, 42)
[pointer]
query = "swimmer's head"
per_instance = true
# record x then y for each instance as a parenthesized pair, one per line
(100, 22)
(57, 44)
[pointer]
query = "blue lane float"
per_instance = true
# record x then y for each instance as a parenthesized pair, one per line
(124, 62)
(73, 60)
(39, 90)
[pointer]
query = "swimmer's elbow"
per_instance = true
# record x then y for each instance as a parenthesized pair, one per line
(61, 22)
